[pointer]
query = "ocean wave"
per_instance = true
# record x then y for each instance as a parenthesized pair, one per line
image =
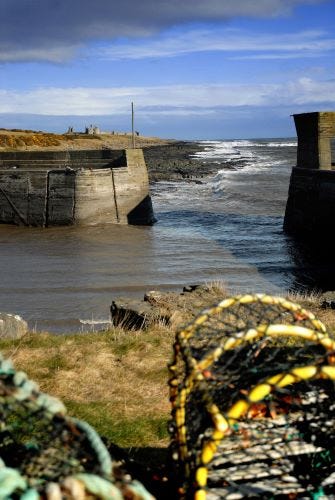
(250, 155)
(95, 322)
(275, 144)
(227, 150)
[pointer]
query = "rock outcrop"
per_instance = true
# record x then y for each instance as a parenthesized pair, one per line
(171, 308)
(12, 326)
(176, 161)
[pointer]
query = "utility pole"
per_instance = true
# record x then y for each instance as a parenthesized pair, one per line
(132, 125)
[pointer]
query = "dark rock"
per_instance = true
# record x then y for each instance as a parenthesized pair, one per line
(130, 314)
(174, 161)
(327, 300)
(170, 308)
(135, 314)
(191, 288)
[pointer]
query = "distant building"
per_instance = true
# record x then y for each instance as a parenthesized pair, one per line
(92, 130)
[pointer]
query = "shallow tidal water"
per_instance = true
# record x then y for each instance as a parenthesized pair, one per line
(224, 228)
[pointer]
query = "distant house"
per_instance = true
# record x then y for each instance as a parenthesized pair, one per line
(92, 130)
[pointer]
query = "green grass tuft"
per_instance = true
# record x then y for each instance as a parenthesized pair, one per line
(141, 431)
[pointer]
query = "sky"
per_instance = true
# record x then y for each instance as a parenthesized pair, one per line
(194, 69)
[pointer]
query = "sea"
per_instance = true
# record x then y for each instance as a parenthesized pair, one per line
(226, 228)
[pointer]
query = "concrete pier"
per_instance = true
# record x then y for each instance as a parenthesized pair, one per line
(310, 209)
(74, 187)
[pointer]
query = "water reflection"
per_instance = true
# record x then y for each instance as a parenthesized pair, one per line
(313, 264)
(55, 277)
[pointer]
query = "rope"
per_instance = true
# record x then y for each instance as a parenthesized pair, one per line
(45, 453)
(98, 446)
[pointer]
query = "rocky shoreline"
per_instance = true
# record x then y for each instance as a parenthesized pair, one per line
(165, 308)
(177, 309)
(175, 161)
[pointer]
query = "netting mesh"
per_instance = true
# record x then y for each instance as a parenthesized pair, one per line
(252, 393)
(46, 454)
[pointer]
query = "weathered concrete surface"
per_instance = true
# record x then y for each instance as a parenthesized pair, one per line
(315, 132)
(72, 158)
(12, 326)
(23, 197)
(310, 208)
(95, 197)
(74, 187)
(132, 190)
(60, 208)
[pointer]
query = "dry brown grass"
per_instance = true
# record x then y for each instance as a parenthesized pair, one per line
(182, 308)
(116, 380)
(12, 140)
(311, 301)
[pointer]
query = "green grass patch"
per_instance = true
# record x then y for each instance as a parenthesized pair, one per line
(57, 362)
(49, 340)
(35, 340)
(142, 431)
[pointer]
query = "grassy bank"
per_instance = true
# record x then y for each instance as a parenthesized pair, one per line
(117, 380)
(114, 380)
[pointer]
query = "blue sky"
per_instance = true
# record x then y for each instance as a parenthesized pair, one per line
(195, 69)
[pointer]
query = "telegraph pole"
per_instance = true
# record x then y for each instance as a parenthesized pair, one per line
(132, 125)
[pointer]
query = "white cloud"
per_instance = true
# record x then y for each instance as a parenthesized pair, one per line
(305, 43)
(159, 100)
(306, 90)
(59, 54)
(277, 56)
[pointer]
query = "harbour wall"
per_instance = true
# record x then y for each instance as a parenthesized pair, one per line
(310, 208)
(74, 187)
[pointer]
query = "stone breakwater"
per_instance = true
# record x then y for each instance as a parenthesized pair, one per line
(175, 161)
(310, 208)
(47, 188)
(74, 188)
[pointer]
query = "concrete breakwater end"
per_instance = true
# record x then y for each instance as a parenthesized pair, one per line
(310, 209)
(55, 188)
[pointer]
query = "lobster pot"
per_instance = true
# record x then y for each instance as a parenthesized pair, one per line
(46, 454)
(253, 402)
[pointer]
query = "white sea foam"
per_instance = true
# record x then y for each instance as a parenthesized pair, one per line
(275, 144)
(96, 324)
(225, 150)
(249, 155)
(237, 149)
